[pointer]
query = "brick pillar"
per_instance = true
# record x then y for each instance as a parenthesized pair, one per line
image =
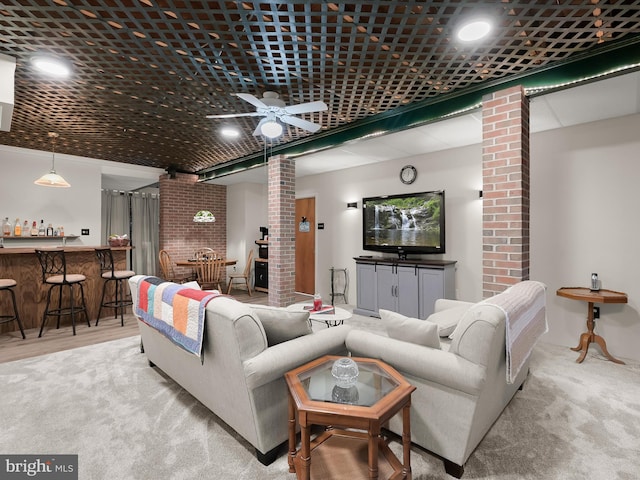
(180, 198)
(282, 234)
(505, 172)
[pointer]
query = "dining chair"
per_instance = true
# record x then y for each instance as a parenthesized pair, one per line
(109, 273)
(168, 273)
(54, 274)
(242, 276)
(209, 271)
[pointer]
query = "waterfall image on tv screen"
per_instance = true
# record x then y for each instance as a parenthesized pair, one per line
(410, 222)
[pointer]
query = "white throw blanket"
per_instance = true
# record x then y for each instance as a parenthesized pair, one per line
(524, 307)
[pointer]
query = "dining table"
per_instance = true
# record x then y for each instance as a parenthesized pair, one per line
(192, 262)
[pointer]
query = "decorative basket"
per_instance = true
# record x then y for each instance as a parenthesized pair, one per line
(118, 242)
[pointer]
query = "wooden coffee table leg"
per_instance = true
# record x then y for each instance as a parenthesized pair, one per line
(585, 340)
(305, 451)
(374, 438)
(406, 442)
(292, 434)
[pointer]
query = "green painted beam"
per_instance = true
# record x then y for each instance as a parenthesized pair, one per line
(609, 59)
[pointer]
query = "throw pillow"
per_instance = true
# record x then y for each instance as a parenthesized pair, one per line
(447, 319)
(280, 325)
(413, 330)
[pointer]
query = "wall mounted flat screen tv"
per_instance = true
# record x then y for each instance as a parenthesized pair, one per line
(405, 223)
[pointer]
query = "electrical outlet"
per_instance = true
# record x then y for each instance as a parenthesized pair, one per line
(596, 312)
(84, 231)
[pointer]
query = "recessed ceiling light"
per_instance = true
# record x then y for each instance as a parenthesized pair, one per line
(51, 65)
(230, 132)
(474, 30)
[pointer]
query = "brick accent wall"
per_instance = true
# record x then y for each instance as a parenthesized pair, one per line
(282, 235)
(180, 199)
(505, 172)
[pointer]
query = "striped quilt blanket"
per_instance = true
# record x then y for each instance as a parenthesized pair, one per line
(176, 311)
(524, 306)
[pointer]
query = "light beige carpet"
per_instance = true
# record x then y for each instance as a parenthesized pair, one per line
(126, 420)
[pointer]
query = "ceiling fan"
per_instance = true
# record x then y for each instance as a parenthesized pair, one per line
(273, 109)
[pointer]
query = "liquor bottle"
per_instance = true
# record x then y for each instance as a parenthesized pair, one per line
(34, 229)
(6, 227)
(41, 230)
(25, 229)
(61, 231)
(49, 231)
(17, 228)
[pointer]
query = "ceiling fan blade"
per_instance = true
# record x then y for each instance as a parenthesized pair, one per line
(247, 97)
(232, 115)
(306, 108)
(300, 123)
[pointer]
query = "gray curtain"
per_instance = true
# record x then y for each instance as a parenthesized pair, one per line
(115, 214)
(137, 215)
(145, 232)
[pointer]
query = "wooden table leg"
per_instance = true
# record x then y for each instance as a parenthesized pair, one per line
(406, 442)
(305, 450)
(292, 434)
(590, 337)
(374, 438)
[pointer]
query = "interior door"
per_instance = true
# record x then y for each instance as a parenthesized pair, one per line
(306, 245)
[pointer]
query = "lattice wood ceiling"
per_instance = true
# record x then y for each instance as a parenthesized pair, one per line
(147, 72)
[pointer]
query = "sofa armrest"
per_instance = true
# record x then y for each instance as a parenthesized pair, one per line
(445, 304)
(431, 364)
(275, 361)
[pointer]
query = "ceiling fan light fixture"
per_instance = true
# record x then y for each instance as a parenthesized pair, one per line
(51, 65)
(474, 29)
(271, 129)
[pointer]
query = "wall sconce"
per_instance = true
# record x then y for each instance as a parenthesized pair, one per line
(352, 205)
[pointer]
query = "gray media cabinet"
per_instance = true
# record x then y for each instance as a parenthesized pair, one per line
(409, 287)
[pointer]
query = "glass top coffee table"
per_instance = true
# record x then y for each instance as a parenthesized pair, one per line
(354, 416)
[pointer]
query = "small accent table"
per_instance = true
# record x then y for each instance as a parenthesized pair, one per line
(315, 399)
(591, 297)
(331, 319)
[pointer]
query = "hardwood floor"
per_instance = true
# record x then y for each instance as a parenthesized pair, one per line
(13, 347)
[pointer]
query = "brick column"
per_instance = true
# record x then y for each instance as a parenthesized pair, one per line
(505, 172)
(282, 234)
(180, 198)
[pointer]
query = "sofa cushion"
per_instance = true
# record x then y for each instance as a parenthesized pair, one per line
(447, 319)
(413, 330)
(281, 325)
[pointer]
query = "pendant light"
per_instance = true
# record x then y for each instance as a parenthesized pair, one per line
(203, 216)
(52, 179)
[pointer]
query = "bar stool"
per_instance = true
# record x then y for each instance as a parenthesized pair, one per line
(54, 273)
(110, 274)
(6, 285)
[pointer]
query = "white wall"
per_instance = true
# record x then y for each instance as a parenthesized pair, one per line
(73, 208)
(457, 172)
(584, 196)
(246, 212)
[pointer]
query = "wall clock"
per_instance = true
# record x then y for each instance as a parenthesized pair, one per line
(408, 174)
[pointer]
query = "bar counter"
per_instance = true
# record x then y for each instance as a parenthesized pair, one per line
(21, 264)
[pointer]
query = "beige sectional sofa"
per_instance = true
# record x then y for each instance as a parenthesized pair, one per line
(462, 385)
(240, 376)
